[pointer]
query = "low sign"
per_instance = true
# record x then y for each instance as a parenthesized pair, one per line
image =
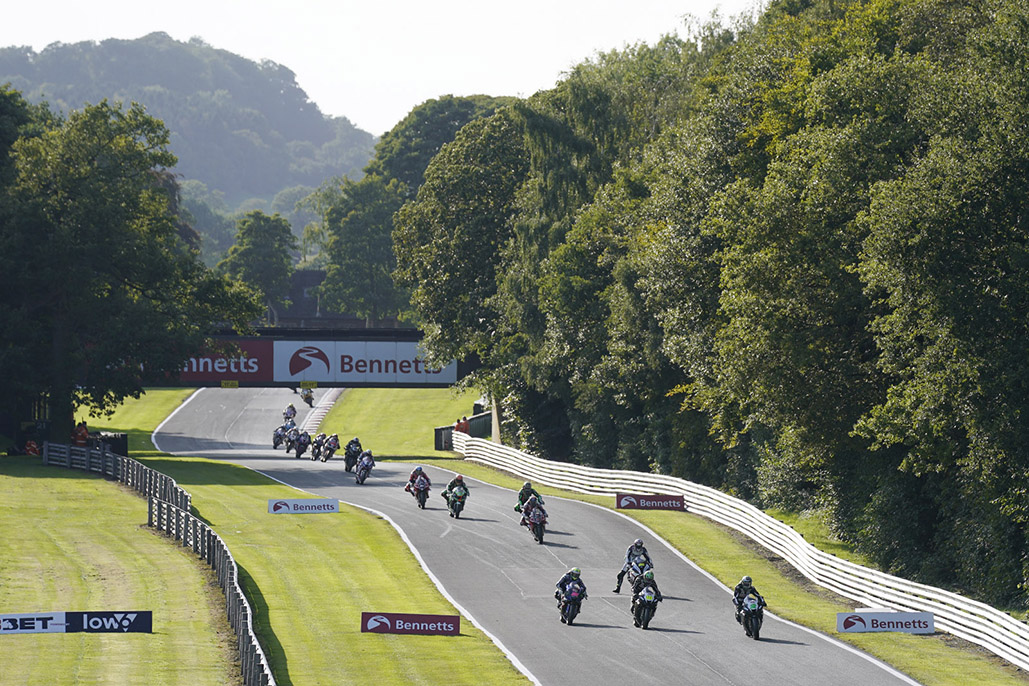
(303, 506)
(906, 622)
(634, 501)
(74, 622)
(400, 623)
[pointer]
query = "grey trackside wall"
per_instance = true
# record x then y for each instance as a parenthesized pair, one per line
(169, 511)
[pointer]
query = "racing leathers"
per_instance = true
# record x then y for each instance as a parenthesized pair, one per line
(632, 552)
(740, 593)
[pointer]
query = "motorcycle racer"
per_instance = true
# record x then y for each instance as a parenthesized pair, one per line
(635, 550)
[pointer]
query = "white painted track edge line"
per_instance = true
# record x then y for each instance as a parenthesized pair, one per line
(153, 436)
(432, 577)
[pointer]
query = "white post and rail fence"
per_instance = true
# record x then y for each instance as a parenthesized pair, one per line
(971, 620)
(169, 511)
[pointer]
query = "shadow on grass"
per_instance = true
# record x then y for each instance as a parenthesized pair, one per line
(273, 650)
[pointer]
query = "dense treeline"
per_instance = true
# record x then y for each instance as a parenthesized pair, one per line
(104, 291)
(788, 259)
(357, 215)
(242, 128)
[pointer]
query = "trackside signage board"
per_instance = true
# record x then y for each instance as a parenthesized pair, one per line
(635, 501)
(312, 363)
(399, 623)
(357, 362)
(75, 622)
(906, 622)
(303, 506)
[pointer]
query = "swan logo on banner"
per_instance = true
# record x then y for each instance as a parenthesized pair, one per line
(375, 621)
(280, 505)
(302, 359)
(852, 621)
(627, 501)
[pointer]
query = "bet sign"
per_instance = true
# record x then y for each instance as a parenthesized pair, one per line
(635, 501)
(400, 623)
(865, 622)
(74, 622)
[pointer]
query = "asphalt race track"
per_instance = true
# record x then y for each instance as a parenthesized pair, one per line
(497, 573)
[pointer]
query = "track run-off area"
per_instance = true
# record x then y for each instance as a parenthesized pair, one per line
(498, 577)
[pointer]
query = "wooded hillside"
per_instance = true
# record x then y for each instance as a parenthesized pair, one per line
(240, 127)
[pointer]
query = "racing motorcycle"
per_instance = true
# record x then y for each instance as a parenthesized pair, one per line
(753, 615)
(301, 444)
(456, 500)
(364, 468)
(329, 448)
(278, 437)
(571, 602)
(537, 523)
(350, 455)
(291, 438)
(644, 607)
(637, 566)
(316, 446)
(307, 395)
(420, 490)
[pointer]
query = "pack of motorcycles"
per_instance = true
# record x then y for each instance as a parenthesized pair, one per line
(644, 605)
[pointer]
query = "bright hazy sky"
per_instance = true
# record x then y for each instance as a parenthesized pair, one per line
(373, 61)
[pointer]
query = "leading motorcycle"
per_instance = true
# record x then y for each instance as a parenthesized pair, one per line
(364, 468)
(644, 607)
(753, 616)
(537, 521)
(637, 566)
(456, 501)
(420, 490)
(571, 601)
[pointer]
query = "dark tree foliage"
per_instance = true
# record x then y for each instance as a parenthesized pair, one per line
(243, 128)
(104, 291)
(357, 216)
(262, 259)
(789, 261)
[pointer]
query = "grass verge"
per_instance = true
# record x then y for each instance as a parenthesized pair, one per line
(75, 542)
(397, 423)
(310, 577)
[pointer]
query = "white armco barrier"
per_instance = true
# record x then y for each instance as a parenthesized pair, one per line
(971, 620)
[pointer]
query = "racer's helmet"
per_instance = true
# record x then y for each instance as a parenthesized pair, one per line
(648, 575)
(417, 470)
(336, 436)
(532, 500)
(291, 405)
(574, 572)
(746, 582)
(526, 485)
(459, 479)
(638, 543)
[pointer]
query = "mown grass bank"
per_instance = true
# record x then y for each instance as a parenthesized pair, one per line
(71, 541)
(310, 577)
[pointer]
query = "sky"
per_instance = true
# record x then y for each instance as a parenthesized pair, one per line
(374, 61)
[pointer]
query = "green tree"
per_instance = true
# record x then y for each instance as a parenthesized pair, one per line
(262, 258)
(405, 151)
(359, 227)
(448, 241)
(105, 292)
